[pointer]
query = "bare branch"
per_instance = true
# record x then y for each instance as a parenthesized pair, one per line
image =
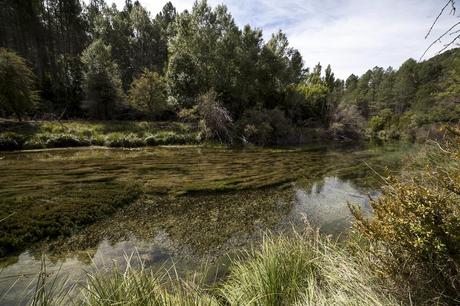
(439, 16)
(449, 44)
(439, 38)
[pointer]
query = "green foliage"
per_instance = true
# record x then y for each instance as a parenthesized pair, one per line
(124, 140)
(265, 127)
(102, 84)
(17, 94)
(171, 138)
(380, 121)
(40, 135)
(415, 228)
(315, 97)
(148, 94)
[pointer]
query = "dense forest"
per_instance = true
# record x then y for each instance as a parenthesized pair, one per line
(75, 60)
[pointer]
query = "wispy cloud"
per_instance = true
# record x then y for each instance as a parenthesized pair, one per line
(351, 35)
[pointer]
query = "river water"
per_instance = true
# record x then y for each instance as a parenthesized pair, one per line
(199, 205)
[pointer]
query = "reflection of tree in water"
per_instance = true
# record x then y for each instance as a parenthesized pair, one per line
(324, 203)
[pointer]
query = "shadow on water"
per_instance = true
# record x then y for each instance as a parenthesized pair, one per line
(197, 204)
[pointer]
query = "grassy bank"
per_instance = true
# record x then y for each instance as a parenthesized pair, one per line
(298, 269)
(130, 134)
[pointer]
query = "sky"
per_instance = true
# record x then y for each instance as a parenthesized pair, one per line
(351, 35)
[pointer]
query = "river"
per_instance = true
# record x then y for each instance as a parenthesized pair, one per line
(198, 205)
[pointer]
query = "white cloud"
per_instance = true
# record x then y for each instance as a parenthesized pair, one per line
(351, 35)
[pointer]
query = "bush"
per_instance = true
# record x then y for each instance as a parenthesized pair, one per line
(125, 141)
(148, 94)
(265, 127)
(151, 140)
(65, 140)
(415, 229)
(34, 143)
(216, 121)
(380, 121)
(348, 124)
(10, 141)
(172, 138)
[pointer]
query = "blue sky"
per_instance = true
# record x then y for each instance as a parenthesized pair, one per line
(351, 35)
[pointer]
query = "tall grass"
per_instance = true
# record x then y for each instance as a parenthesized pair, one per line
(303, 270)
(140, 286)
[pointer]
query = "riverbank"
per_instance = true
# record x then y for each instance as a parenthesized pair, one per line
(38, 135)
(30, 135)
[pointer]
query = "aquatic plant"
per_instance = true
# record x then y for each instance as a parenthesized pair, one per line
(34, 218)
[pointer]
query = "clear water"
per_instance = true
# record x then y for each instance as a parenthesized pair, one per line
(199, 204)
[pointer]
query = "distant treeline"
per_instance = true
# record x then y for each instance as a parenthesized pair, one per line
(96, 61)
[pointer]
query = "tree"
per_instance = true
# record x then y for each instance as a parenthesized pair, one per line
(148, 94)
(102, 84)
(17, 94)
(405, 85)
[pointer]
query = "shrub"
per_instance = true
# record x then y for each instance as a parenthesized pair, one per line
(126, 141)
(348, 124)
(265, 127)
(380, 121)
(415, 228)
(34, 143)
(172, 138)
(65, 140)
(216, 121)
(151, 140)
(148, 94)
(10, 141)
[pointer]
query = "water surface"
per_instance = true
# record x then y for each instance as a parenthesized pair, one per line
(198, 204)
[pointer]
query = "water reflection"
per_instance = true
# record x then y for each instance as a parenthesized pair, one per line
(325, 204)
